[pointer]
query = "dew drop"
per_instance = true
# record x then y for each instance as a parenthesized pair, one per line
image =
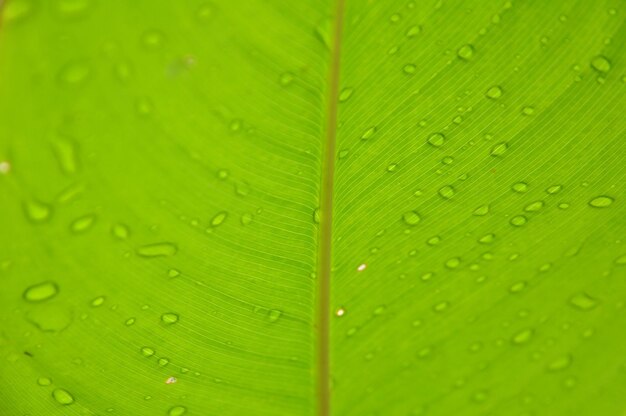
(152, 39)
(130, 322)
(82, 224)
(120, 231)
(169, 318)
(316, 216)
(99, 301)
(528, 111)
(465, 52)
(518, 221)
(534, 206)
(246, 218)
(560, 363)
(602, 201)
(144, 106)
(601, 64)
(447, 192)
(583, 302)
(37, 212)
(554, 189)
(63, 396)
(177, 411)
(413, 31)
(163, 361)
(487, 239)
(65, 152)
(44, 381)
(522, 337)
(494, 92)
(219, 218)
(520, 187)
(481, 211)
(453, 263)
(274, 315)
(368, 133)
(499, 149)
(41, 291)
(409, 69)
(441, 306)
(345, 94)
(436, 139)
(392, 167)
(147, 351)
(74, 74)
(286, 79)
(157, 250)
(411, 218)
(518, 287)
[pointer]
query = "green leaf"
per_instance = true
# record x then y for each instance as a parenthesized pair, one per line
(310, 207)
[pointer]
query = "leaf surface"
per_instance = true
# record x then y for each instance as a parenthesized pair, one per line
(166, 175)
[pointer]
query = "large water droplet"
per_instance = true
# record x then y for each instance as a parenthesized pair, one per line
(465, 52)
(602, 201)
(518, 221)
(63, 396)
(520, 187)
(41, 291)
(411, 218)
(601, 64)
(447, 192)
(436, 139)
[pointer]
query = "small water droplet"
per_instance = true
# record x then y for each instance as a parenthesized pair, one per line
(219, 218)
(99, 301)
(316, 216)
(340, 312)
(147, 351)
(392, 167)
(436, 139)
(177, 411)
(65, 152)
(144, 106)
(560, 363)
(481, 210)
(413, 31)
(487, 239)
(518, 221)
(601, 64)
(441, 306)
(246, 218)
(36, 211)
(361, 267)
(433, 241)
(602, 201)
(82, 224)
(273, 315)
(518, 287)
(130, 322)
(465, 52)
(534, 206)
(409, 69)
(447, 192)
(63, 396)
(494, 92)
(44, 381)
(453, 263)
(169, 318)
(345, 94)
(554, 189)
(286, 79)
(152, 39)
(163, 361)
(41, 291)
(499, 149)
(368, 133)
(74, 74)
(583, 302)
(157, 250)
(520, 187)
(411, 218)
(120, 231)
(522, 337)
(528, 111)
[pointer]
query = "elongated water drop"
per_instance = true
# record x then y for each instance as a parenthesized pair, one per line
(41, 291)
(63, 396)
(157, 250)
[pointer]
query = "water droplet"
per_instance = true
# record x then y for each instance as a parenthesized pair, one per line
(44, 381)
(63, 396)
(494, 92)
(480, 396)
(222, 174)
(171, 380)
(487, 239)
(368, 133)
(204, 12)
(147, 351)
(465, 52)
(144, 106)
(481, 210)
(120, 231)
(601, 64)
(130, 322)
(316, 216)
(534, 206)
(152, 39)
(395, 18)
(520, 187)
(65, 152)
(413, 31)
(528, 111)
(169, 318)
(411, 218)
(518, 220)
(74, 74)
(219, 218)
(246, 218)
(286, 79)
(177, 411)
(345, 94)
(340, 312)
(560, 363)
(157, 250)
(453, 263)
(518, 287)
(409, 69)
(273, 315)
(163, 361)
(621, 260)
(361, 267)
(433, 241)
(583, 302)
(436, 139)
(41, 291)
(499, 149)
(602, 201)
(447, 192)
(392, 167)
(441, 306)
(82, 224)
(72, 8)
(99, 301)
(37, 212)
(554, 189)
(522, 337)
